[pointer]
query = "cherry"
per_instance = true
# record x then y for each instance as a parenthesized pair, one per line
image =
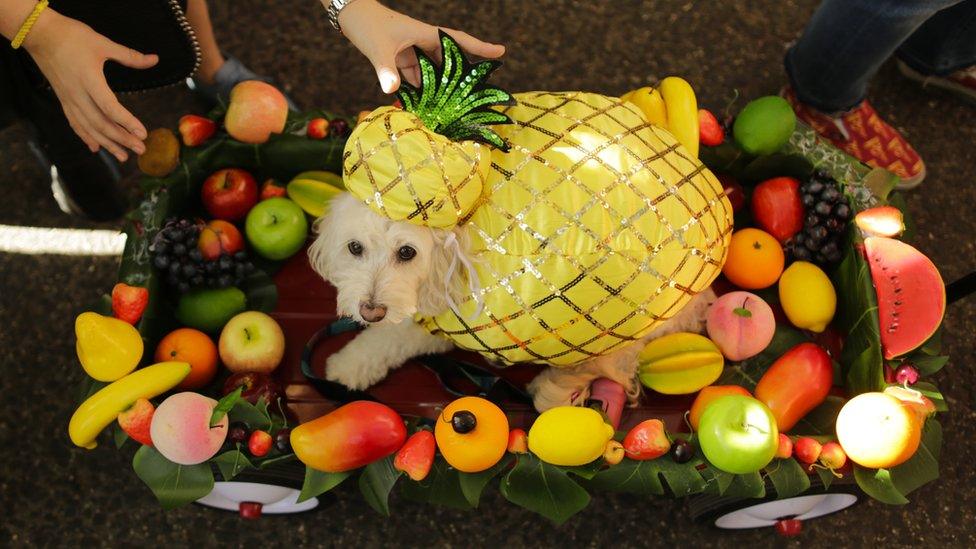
(906, 374)
(789, 528)
(339, 127)
(250, 510)
(282, 441)
(682, 451)
(463, 422)
(259, 443)
(238, 432)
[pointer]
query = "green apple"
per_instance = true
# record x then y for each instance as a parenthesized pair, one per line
(251, 342)
(276, 228)
(738, 434)
(209, 309)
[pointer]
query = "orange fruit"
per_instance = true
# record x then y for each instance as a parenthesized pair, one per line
(877, 430)
(755, 259)
(472, 446)
(194, 347)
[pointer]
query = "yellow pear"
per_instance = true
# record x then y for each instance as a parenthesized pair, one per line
(107, 347)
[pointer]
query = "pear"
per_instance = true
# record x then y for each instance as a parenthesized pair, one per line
(107, 347)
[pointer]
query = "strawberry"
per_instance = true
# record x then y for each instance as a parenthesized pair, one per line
(128, 302)
(136, 421)
(318, 128)
(196, 129)
(807, 450)
(518, 441)
(416, 456)
(271, 189)
(710, 132)
(647, 440)
(259, 443)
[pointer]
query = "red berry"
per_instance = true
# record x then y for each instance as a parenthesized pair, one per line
(807, 450)
(789, 528)
(832, 456)
(129, 302)
(906, 374)
(318, 128)
(785, 448)
(259, 443)
(250, 510)
(710, 132)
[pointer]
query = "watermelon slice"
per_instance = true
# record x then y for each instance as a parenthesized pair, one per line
(881, 221)
(911, 294)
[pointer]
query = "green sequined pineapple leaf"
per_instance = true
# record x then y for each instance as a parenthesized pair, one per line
(453, 98)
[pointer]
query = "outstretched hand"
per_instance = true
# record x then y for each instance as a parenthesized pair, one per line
(387, 37)
(72, 57)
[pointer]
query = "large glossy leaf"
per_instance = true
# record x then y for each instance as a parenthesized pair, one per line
(857, 306)
(255, 416)
(655, 477)
(443, 486)
(788, 477)
(544, 489)
(172, 484)
(822, 419)
(749, 485)
(377, 481)
(877, 484)
(473, 484)
(893, 485)
(319, 482)
(231, 463)
(261, 292)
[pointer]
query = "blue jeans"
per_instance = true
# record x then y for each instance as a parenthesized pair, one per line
(846, 42)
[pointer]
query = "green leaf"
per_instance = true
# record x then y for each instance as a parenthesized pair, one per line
(544, 489)
(933, 345)
(473, 484)
(826, 476)
(319, 482)
(89, 387)
(932, 392)
(788, 477)
(119, 436)
(224, 405)
(587, 471)
(928, 364)
(172, 484)
(631, 477)
(822, 419)
(717, 481)
(877, 484)
(880, 182)
(377, 481)
(260, 291)
(231, 463)
(264, 464)
(443, 486)
(749, 485)
(254, 416)
(858, 318)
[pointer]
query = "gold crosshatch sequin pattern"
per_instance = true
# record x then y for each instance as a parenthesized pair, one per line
(593, 229)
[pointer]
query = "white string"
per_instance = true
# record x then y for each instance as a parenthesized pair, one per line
(474, 285)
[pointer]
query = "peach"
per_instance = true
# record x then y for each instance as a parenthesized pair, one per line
(741, 324)
(181, 429)
(257, 109)
(219, 237)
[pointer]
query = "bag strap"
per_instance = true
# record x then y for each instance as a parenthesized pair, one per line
(490, 386)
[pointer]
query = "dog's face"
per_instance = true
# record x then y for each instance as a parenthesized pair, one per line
(382, 269)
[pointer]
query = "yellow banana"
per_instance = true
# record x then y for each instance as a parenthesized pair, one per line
(105, 406)
(650, 102)
(682, 108)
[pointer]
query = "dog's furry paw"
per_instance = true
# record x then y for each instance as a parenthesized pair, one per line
(354, 370)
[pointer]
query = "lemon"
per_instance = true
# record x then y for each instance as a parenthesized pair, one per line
(807, 296)
(680, 364)
(569, 435)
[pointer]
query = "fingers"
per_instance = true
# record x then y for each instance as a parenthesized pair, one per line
(386, 73)
(475, 46)
(77, 125)
(110, 106)
(106, 132)
(130, 57)
(407, 63)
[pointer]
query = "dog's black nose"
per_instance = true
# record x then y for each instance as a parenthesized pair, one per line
(371, 312)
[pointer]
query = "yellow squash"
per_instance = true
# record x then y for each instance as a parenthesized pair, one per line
(108, 348)
(104, 406)
(680, 364)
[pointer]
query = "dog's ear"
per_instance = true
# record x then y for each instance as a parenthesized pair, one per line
(322, 252)
(432, 296)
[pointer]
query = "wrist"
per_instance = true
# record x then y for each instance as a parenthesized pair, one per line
(346, 10)
(42, 32)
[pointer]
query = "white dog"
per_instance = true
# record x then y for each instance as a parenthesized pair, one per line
(387, 272)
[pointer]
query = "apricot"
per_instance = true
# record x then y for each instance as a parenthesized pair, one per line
(181, 429)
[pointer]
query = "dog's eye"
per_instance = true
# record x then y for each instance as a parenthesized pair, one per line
(406, 253)
(355, 248)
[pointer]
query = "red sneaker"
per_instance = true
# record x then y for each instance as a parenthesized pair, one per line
(961, 83)
(861, 133)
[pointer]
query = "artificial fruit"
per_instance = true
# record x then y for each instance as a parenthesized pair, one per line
(218, 238)
(108, 348)
(679, 363)
(251, 341)
(738, 434)
(807, 450)
(209, 309)
(647, 440)
(878, 431)
(796, 383)
(708, 395)
(255, 386)
(807, 296)
(313, 190)
(136, 421)
(162, 153)
(229, 194)
(276, 228)
(569, 435)
(181, 429)
(741, 324)
(129, 302)
(777, 207)
(416, 456)
(349, 437)
(472, 434)
(196, 129)
(257, 110)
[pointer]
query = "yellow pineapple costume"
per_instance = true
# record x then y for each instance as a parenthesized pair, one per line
(588, 226)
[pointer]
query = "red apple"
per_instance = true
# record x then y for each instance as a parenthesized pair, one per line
(229, 194)
(271, 189)
(257, 109)
(256, 385)
(219, 237)
(778, 208)
(137, 420)
(647, 440)
(196, 129)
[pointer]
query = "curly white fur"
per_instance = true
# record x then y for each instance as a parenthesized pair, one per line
(418, 286)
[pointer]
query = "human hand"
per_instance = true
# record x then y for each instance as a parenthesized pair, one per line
(72, 56)
(385, 37)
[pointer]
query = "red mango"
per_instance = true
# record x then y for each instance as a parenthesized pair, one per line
(349, 437)
(796, 384)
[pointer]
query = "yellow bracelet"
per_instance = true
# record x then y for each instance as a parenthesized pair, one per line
(28, 24)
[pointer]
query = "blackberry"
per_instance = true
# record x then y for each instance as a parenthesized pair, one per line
(822, 238)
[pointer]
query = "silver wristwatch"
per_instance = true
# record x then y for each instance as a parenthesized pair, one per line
(335, 6)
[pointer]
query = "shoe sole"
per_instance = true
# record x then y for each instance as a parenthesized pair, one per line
(963, 92)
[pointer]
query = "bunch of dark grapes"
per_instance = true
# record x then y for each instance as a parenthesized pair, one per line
(175, 253)
(827, 214)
